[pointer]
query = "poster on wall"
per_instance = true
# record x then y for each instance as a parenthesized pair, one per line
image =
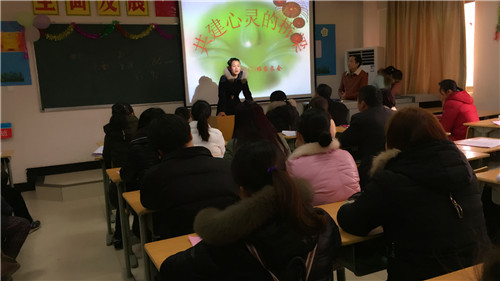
(325, 49)
(77, 8)
(15, 69)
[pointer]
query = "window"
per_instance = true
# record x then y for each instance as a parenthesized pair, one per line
(470, 14)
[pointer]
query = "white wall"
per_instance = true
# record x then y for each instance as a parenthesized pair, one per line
(486, 57)
(348, 19)
(61, 137)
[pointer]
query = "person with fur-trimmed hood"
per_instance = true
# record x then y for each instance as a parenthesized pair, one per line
(425, 195)
(272, 233)
(331, 171)
(231, 84)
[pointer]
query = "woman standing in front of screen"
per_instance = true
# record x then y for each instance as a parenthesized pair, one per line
(231, 84)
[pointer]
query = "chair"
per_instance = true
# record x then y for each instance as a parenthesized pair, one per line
(224, 123)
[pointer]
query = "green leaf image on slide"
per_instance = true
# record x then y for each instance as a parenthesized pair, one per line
(255, 46)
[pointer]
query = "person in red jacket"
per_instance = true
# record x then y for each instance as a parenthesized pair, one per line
(458, 108)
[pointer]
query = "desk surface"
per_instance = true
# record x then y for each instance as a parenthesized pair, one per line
(488, 123)
(340, 129)
(160, 250)
(473, 155)
(434, 110)
(468, 273)
(133, 199)
(489, 176)
(114, 175)
(7, 153)
(488, 113)
(465, 148)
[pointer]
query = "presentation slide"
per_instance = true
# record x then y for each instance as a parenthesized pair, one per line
(272, 40)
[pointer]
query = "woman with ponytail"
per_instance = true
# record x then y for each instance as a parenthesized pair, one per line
(331, 171)
(273, 233)
(203, 134)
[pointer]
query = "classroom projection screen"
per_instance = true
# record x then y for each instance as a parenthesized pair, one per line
(272, 39)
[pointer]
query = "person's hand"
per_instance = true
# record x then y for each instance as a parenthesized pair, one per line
(222, 113)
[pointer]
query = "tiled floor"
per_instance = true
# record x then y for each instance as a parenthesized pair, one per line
(71, 245)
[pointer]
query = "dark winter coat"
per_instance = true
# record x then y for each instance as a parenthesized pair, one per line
(366, 133)
(229, 92)
(141, 157)
(223, 254)
(116, 143)
(185, 182)
(428, 202)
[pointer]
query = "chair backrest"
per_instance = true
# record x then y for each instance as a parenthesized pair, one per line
(224, 123)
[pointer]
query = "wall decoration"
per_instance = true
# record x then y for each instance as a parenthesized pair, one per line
(137, 8)
(325, 49)
(166, 9)
(45, 8)
(15, 68)
(77, 8)
(108, 8)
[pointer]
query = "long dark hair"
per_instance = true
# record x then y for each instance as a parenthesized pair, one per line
(201, 111)
(314, 126)
(251, 124)
(448, 84)
(119, 113)
(255, 165)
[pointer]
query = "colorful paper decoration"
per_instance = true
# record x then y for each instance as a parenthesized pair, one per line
(107, 30)
(108, 8)
(137, 8)
(45, 8)
(166, 9)
(77, 8)
(6, 130)
(15, 68)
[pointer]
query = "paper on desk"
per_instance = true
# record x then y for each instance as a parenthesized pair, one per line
(497, 122)
(194, 239)
(98, 151)
(480, 142)
(289, 133)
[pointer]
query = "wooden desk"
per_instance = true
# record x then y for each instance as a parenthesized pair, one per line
(489, 177)
(483, 128)
(468, 273)
(6, 157)
(340, 129)
(434, 110)
(130, 259)
(133, 199)
(465, 148)
(160, 250)
(487, 114)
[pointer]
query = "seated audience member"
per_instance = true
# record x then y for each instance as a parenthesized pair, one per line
(14, 198)
(251, 124)
(187, 180)
(141, 155)
(458, 108)
(203, 134)
(183, 112)
(14, 231)
(366, 132)
(388, 81)
(282, 113)
(321, 103)
(337, 110)
(425, 195)
(331, 171)
(272, 233)
(353, 79)
(118, 133)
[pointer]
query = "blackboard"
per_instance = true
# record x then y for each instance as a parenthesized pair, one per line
(78, 71)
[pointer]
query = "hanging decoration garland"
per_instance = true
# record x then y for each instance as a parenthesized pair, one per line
(108, 30)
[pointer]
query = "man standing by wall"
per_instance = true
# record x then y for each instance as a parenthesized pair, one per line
(353, 79)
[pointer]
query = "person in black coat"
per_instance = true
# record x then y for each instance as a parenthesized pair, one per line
(231, 84)
(365, 137)
(272, 231)
(281, 113)
(425, 195)
(141, 155)
(337, 110)
(187, 180)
